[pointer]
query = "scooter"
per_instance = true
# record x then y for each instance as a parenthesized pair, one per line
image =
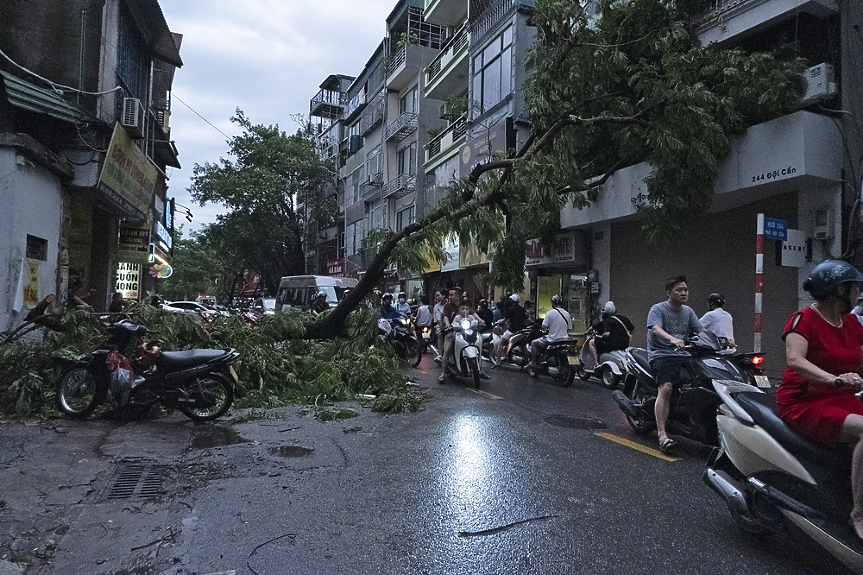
(201, 383)
(770, 476)
(518, 352)
(399, 333)
(559, 360)
(465, 358)
(693, 402)
(610, 370)
(425, 339)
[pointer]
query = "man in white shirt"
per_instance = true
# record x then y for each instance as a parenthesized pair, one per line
(717, 319)
(558, 322)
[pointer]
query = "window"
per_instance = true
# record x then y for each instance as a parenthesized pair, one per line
(378, 215)
(404, 218)
(353, 238)
(37, 248)
(354, 189)
(408, 159)
(408, 102)
(373, 162)
(492, 73)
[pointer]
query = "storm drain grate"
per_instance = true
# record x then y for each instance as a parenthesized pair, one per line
(137, 480)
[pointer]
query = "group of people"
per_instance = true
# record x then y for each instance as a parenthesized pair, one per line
(824, 361)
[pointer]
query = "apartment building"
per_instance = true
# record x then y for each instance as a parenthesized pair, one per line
(84, 143)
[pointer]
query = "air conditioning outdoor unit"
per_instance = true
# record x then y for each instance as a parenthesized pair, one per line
(133, 116)
(820, 83)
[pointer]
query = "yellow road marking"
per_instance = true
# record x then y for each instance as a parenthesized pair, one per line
(637, 446)
(485, 393)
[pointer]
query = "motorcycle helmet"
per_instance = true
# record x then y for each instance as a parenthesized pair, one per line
(514, 297)
(829, 274)
(609, 308)
(322, 294)
(716, 299)
(387, 296)
(555, 299)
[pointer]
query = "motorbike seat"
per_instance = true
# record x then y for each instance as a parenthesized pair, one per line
(761, 407)
(178, 359)
(640, 357)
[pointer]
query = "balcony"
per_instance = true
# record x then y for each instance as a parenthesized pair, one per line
(445, 12)
(406, 63)
(447, 73)
(402, 127)
(400, 186)
(327, 104)
(727, 19)
(373, 115)
(445, 144)
(500, 10)
(371, 189)
(356, 105)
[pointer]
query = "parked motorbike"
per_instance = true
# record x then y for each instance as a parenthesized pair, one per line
(401, 335)
(770, 476)
(559, 361)
(610, 369)
(693, 402)
(465, 358)
(200, 383)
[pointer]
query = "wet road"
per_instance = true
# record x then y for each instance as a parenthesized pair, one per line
(523, 476)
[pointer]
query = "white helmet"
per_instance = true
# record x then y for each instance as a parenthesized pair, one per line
(609, 308)
(514, 297)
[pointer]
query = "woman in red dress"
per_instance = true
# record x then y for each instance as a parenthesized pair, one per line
(824, 349)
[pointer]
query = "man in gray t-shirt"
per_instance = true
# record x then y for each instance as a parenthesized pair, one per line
(669, 323)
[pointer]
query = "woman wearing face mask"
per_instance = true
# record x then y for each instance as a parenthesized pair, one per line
(824, 347)
(403, 306)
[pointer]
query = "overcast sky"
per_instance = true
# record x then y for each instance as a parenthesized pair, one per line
(267, 57)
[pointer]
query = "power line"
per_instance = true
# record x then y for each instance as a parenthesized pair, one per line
(174, 95)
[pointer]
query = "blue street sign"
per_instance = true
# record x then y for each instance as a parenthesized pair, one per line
(775, 229)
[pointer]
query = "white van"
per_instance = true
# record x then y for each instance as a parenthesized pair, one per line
(299, 292)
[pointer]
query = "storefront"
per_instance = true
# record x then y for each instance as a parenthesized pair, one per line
(560, 269)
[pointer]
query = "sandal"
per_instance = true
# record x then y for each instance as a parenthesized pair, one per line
(667, 445)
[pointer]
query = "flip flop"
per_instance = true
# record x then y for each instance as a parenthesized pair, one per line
(667, 445)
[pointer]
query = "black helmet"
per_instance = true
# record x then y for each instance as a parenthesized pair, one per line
(716, 299)
(829, 274)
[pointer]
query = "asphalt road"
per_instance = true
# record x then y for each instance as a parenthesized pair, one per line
(523, 476)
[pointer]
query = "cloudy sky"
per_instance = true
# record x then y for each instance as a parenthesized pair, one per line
(267, 57)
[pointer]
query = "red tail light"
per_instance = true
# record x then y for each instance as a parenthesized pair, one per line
(425, 328)
(757, 360)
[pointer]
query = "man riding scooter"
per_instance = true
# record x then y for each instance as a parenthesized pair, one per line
(613, 333)
(557, 324)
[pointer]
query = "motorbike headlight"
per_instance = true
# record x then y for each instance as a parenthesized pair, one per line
(465, 324)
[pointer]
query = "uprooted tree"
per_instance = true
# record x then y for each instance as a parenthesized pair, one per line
(634, 86)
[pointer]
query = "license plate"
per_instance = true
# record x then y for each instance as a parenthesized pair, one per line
(573, 359)
(233, 374)
(762, 381)
(426, 335)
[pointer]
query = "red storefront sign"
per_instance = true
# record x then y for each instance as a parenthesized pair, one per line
(335, 268)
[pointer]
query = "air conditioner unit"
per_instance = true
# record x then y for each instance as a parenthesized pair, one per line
(133, 116)
(820, 83)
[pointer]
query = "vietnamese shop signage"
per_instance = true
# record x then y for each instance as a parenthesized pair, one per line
(562, 250)
(450, 248)
(334, 268)
(479, 149)
(128, 278)
(128, 177)
(134, 244)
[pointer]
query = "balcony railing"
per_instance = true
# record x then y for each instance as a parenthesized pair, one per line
(451, 48)
(373, 114)
(327, 103)
(400, 186)
(495, 13)
(445, 139)
(402, 127)
(398, 59)
(371, 188)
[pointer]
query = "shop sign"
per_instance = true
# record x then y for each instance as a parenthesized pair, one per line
(481, 148)
(134, 244)
(794, 249)
(128, 177)
(335, 268)
(450, 249)
(562, 251)
(470, 255)
(165, 240)
(128, 280)
(31, 289)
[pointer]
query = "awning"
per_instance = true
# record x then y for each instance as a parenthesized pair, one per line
(27, 96)
(151, 22)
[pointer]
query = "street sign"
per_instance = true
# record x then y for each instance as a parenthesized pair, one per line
(775, 229)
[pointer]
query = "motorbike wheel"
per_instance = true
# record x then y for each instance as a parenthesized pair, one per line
(211, 397)
(638, 425)
(413, 355)
(473, 367)
(565, 372)
(609, 379)
(78, 392)
(582, 373)
(520, 356)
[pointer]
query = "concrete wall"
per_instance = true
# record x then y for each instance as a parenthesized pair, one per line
(32, 204)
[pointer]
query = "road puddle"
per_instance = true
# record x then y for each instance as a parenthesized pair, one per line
(291, 451)
(215, 436)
